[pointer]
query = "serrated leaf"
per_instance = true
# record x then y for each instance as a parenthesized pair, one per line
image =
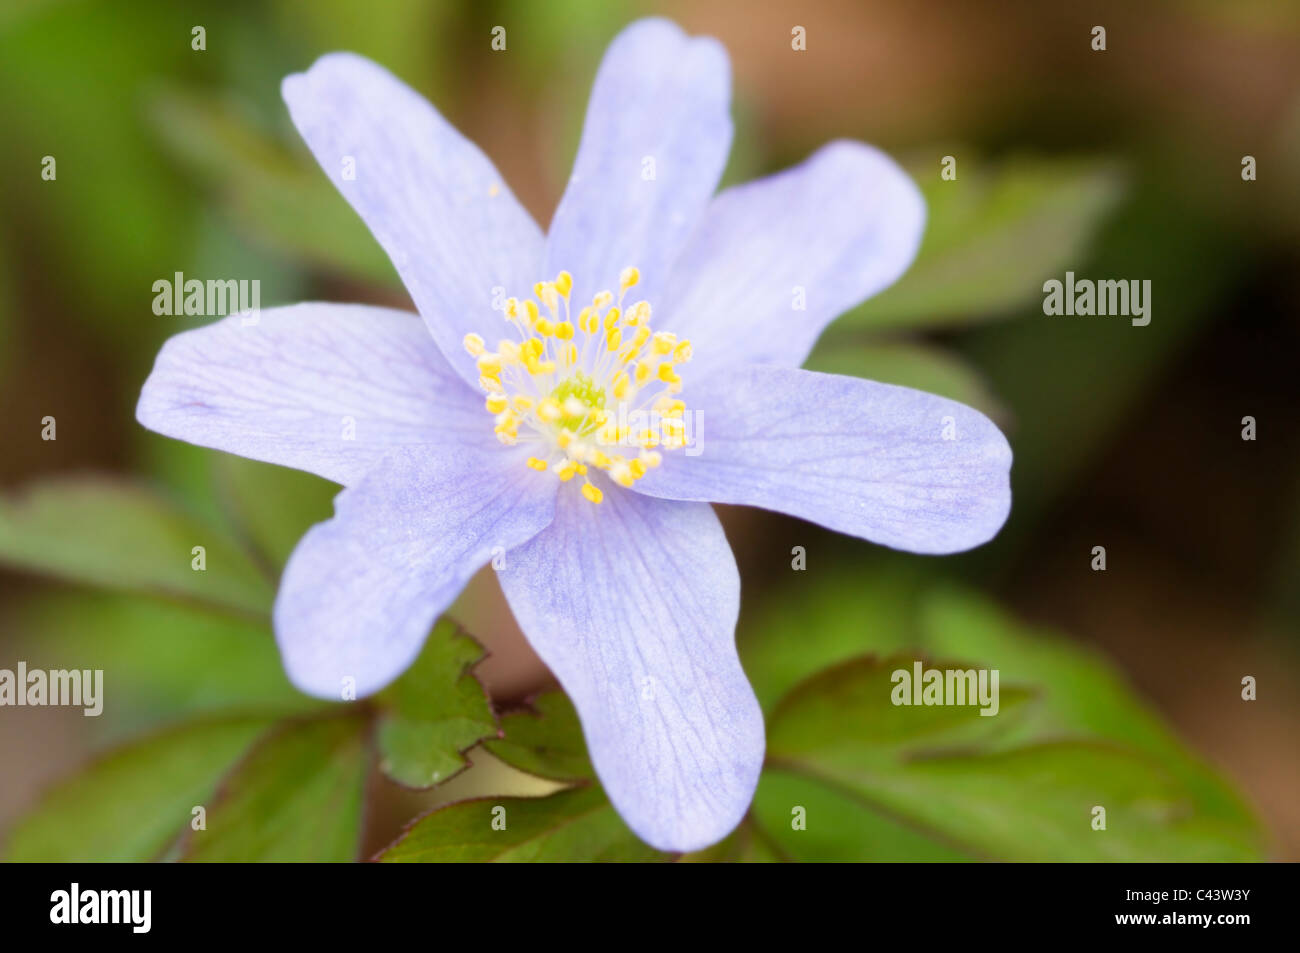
(935, 769)
(992, 237)
(121, 535)
(296, 796)
(574, 825)
(435, 712)
(130, 803)
(545, 741)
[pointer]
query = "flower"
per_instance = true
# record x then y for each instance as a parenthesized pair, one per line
(649, 294)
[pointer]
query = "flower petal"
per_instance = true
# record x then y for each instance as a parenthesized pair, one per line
(361, 590)
(327, 388)
(890, 464)
(632, 604)
(435, 202)
(776, 260)
(653, 148)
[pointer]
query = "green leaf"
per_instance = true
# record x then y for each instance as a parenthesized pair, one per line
(937, 770)
(297, 796)
(274, 505)
(122, 536)
(910, 365)
(747, 844)
(435, 712)
(811, 821)
(830, 617)
(162, 660)
(279, 197)
(574, 825)
(1081, 694)
(992, 237)
(545, 740)
(131, 803)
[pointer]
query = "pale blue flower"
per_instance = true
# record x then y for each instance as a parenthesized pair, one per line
(631, 600)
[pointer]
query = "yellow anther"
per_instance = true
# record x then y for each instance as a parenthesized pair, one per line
(474, 345)
(550, 410)
(664, 342)
(638, 314)
(560, 390)
(550, 296)
(622, 384)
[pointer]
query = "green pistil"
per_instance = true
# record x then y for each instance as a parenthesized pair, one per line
(584, 389)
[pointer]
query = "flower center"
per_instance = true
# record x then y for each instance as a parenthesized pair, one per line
(599, 391)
